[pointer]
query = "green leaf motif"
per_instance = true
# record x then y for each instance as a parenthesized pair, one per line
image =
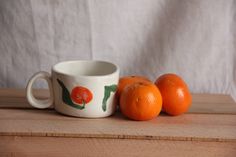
(107, 94)
(66, 97)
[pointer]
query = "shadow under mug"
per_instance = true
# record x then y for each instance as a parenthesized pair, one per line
(79, 88)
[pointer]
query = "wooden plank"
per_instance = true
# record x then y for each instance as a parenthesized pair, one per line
(14, 92)
(202, 103)
(44, 93)
(213, 104)
(31, 132)
(73, 147)
(212, 98)
(213, 108)
(16, 98)
(187, 127)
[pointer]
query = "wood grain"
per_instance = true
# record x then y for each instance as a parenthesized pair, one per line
(14, 146)
(187, 127)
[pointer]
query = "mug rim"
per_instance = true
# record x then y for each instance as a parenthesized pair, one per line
(54, 68)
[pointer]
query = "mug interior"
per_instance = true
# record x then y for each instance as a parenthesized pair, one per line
(85, 68)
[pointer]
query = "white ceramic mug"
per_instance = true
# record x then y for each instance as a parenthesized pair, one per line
(79, 88)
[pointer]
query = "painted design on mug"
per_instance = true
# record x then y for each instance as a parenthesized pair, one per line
(107, 93)
(80, 95)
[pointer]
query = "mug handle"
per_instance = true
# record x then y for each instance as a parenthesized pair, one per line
(29, 93)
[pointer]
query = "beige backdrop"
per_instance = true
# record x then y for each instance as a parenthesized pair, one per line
(193, 38)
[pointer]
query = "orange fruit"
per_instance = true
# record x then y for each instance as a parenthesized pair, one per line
(127, 80)
(141, 101)
(175, 94)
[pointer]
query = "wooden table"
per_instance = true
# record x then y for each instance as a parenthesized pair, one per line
(208, 129)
